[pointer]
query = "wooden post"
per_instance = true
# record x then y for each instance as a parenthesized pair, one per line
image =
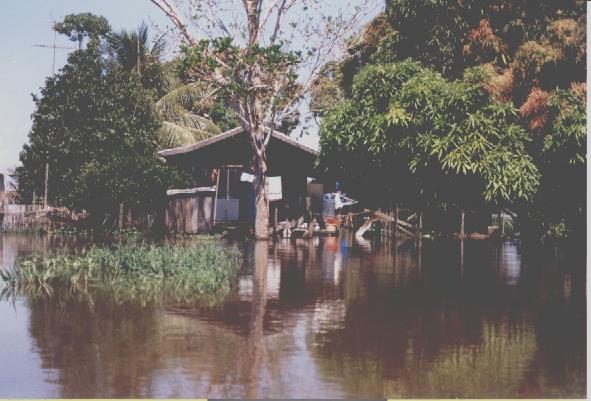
(462, 232)
(46, 184)
(420, 224)
(129, 218)
(215, 199)
(420, 252)
(391, 215)
(396, 223)
(276, 217)
(121, 216)
(392, 224)
(462, 255)
(228, 183)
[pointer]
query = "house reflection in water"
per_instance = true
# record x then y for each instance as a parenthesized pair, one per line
(328, 318)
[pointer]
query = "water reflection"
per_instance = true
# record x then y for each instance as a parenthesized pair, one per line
(333, 317)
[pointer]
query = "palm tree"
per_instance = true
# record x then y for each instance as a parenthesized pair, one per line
(181, 125)
(133, 50)
(177, 104)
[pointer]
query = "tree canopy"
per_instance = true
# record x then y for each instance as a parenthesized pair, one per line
(95, 124)
(81, 26)
(529, 57)
(410, 136)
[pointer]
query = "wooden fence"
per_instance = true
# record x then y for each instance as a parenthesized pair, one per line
(22, 217)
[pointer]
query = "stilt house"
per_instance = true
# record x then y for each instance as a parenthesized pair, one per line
(223, 189)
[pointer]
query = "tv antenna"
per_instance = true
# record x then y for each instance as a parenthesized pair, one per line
(54, 47)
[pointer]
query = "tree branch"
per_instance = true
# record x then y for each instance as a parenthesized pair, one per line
(173, 15)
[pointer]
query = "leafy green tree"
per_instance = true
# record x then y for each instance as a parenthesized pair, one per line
(81, 26)
(558, 210)
(527, 54)
(408, 135)
(96, 126)
(450, 36)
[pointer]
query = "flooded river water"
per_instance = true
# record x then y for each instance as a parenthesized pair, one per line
(328, 318)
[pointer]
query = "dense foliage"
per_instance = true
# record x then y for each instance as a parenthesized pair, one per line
(83, 26)
(134, 51)
(525, 55)
(410, 136)
(450, 36)
(95, 124)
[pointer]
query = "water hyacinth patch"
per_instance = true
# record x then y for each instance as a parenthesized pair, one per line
(201, 271)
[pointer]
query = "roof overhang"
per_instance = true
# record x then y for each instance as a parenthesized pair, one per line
(230, 134)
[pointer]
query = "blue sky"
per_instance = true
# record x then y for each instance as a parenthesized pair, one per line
(23, 67)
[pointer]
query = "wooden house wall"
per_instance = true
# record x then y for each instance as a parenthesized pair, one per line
(282, 158)
(189, 214)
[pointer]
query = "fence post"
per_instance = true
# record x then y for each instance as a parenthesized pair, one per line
(121, 216)
(45, 199)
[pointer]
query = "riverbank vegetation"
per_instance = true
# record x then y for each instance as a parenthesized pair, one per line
(133, 272)
(464, 105)
(435, 106)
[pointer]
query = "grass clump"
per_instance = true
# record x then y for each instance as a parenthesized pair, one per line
(132, 272)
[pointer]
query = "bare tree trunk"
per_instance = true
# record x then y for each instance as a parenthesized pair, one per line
(261, 190)
(259, 142)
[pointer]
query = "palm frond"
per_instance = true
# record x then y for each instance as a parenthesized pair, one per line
(126, 47)
(171, 135)
(182, 97)
(182, 127)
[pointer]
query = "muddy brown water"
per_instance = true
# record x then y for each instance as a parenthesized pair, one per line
(328, 318)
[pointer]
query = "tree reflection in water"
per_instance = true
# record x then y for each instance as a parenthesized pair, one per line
(334, 317)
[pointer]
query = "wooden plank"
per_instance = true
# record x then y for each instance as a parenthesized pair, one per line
(195, 214)
(364, 227)
(404, 230)
(384, 216)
